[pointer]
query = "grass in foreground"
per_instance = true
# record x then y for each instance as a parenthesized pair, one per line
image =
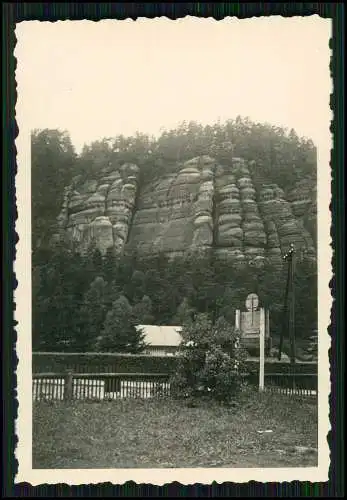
(165, 433)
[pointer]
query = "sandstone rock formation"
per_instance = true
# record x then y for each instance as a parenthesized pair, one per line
(203, 205)
(284, 226)
(100, 210)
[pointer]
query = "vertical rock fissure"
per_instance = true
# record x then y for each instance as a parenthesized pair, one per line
(257, 186)
(106, 204)
(134, 210)
(242, 223)
(214, 211)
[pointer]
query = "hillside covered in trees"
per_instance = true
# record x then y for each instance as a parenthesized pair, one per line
(144, 230)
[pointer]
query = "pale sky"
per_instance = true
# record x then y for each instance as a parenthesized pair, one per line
(101, 79)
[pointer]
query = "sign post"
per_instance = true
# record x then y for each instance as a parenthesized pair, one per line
(252, 303)
(238, 319)
(262, 350)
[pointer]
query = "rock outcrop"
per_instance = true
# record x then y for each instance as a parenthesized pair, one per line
(175, 213)
(100, 210)
(204, 205)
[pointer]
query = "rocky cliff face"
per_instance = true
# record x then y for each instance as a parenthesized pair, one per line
(100, 209)
(204, 205)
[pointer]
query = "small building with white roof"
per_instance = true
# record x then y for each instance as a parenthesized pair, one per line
(161, 340)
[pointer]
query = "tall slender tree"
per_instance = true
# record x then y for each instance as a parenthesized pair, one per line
(91, 315)
(119, 333)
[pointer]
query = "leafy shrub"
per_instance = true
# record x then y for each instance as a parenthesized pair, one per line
(212, 362)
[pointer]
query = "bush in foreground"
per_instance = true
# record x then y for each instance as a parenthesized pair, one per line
(212, 363)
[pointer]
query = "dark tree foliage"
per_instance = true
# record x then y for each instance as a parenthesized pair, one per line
(53, 164)
(119, 332)
(78, 301)
(72, 301)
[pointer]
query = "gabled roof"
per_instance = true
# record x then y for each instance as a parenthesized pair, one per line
(166, 336)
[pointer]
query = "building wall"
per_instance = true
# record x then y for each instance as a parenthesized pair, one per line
(161, 350)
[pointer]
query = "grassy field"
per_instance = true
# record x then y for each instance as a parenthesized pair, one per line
(156, 433)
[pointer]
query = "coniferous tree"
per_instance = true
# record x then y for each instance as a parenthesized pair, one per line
(135, 288)
(53, 162)
(119, 333)
(185, 313)
(92, 315)
(142, 311)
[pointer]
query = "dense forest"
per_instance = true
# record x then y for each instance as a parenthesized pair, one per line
(92, 302)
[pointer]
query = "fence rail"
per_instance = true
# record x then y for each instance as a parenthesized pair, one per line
(109, 386)
(58, 386)
(302, 384)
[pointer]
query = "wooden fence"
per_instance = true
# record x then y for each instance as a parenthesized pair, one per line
(109, 386)
(58, 386)
(301, 384)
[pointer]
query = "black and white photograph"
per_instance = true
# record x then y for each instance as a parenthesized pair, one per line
(174, 251)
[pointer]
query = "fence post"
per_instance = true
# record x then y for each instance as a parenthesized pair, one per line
(68, 386)
(262, 349)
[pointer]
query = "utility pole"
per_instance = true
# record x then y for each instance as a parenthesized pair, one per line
(285, 322)
(262, 350)
(292, 308)
(291, 254)
(290, 297)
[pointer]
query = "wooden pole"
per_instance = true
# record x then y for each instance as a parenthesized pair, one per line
(262, 350)
(237, 319)
(267, 323)
(252, 306)
(68, 389)
(292, 315)
(285, 322)
(267, 330)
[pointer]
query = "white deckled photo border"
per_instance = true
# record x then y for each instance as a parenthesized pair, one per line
(22, 268)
